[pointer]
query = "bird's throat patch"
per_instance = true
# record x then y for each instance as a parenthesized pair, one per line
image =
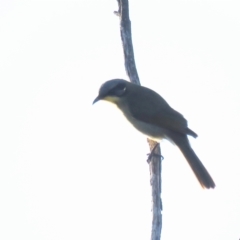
(111, 99)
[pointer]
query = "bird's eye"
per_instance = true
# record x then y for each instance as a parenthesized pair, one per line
(120, 89)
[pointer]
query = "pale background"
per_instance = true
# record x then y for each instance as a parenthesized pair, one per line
(70, 170)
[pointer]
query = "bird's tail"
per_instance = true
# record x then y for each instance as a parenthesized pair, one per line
(198, 168)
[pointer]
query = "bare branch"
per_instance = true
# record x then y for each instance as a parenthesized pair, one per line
(126, 35)
(155, 168)
(155, 158)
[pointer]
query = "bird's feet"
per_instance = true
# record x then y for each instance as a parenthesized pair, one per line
(153, 154)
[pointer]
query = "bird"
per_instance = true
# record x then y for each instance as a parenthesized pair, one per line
(150, 114)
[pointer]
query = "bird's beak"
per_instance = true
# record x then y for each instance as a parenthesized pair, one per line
(96, 99)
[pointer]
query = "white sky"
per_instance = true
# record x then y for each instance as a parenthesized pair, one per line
(70, 170)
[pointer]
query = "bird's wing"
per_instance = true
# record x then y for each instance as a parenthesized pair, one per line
(166, 117)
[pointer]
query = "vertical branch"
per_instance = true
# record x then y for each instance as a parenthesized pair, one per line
(155, 161)
(155, 167)
(126, 36)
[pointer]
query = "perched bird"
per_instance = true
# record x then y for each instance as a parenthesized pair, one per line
(150, 114)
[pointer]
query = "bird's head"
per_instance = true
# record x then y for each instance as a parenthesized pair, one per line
(112, 91)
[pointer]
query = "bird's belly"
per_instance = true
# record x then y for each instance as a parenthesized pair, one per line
(151, 131)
